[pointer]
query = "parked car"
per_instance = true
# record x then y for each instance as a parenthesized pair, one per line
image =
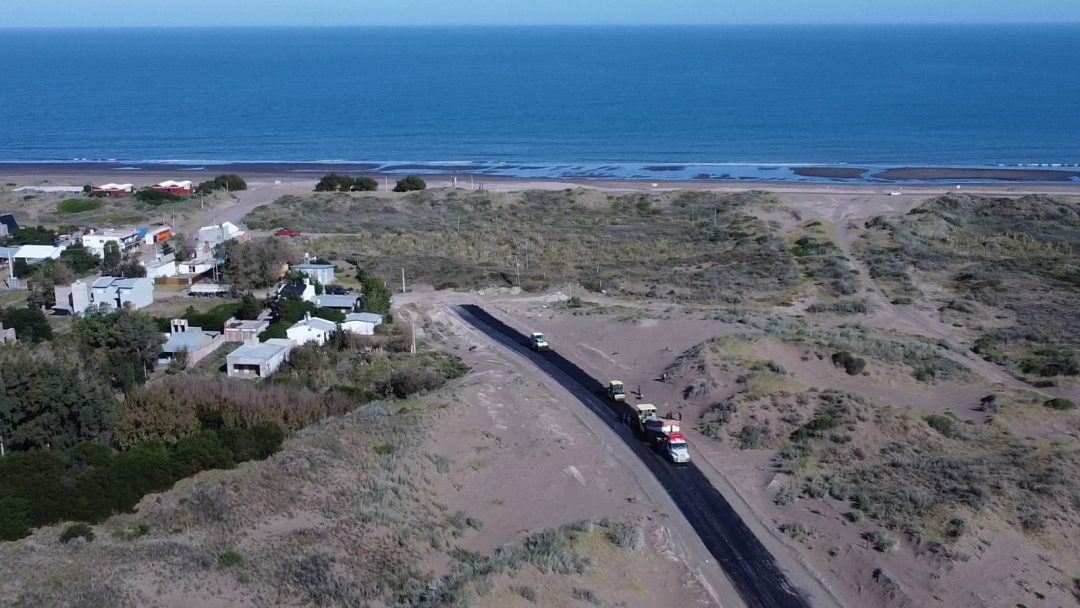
(287, 232)
(338, 290)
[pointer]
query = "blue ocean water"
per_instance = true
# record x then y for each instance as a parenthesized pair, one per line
(533, 98)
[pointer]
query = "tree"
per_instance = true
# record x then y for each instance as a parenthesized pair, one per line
(124, 344)
(376, 295)
(230, 182)
(43, 281)
(183, 247)
(250, 307)
(48, 402)
(410, 184)
(80, 260)
(256, 264)
(110, 262)
(33, 236)
(365, 184)
(30, 324)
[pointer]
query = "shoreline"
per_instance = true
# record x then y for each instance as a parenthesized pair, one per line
(692, 175)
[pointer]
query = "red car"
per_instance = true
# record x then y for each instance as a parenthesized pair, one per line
(286, 232)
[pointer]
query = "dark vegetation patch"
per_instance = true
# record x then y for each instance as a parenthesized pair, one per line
(904, 471)
(699, 246)
(1016, 255)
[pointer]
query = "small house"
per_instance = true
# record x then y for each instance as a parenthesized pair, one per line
(113, 190)
(311, 329)
(342, 303)
(181, 188)
(258, 360)
(195, 341)
(114, 292)
(237, 330)
(126, 240)
(362, 323)
(323, 273)
(304, 291)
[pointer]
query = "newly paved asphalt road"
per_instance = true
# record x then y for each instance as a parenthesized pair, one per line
(752, 570)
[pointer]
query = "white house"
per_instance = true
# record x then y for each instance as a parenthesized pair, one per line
(303, 291)
(323, 273)
(362, 323)
(311, 329)
(37, 253)
(126, 240)
(114, 292)
(161, 266)
(209, 236)
(199, 265)
(344, 303)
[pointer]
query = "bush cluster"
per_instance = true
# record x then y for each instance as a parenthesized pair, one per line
(230, 182)
(335, 182)
(852, 365)
(90, 481)
(77, 205)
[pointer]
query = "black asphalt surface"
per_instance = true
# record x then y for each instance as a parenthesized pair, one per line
(750, 567)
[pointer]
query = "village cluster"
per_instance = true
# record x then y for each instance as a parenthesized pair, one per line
(199, 276)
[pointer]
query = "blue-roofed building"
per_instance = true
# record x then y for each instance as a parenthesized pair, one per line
(258, 359)
(195, 341)
(115, 292)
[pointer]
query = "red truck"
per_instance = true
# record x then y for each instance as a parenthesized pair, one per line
(286, 232)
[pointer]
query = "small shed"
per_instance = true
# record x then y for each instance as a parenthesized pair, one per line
(362, 323)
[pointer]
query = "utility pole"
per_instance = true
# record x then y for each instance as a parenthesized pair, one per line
(402, 280)
(1, 446)
(412, 330)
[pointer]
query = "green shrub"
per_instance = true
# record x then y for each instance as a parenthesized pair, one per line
(410, 184)
(77, 530)
(77, 205)
(946, 425)
(228, 559)
(1050, 362)
(627, 536)
(1059, 403)
(957, 527)
(855, 516)
(852, 365)
(883, 541)
(155, 197)
(232, 183)
(753, 437)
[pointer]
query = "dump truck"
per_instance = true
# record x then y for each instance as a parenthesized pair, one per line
(664, 436)
(537, 342)
(616, 391)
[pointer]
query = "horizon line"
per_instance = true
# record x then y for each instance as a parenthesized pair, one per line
(545, 25)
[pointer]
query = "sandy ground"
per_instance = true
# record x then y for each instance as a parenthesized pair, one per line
(838, 568)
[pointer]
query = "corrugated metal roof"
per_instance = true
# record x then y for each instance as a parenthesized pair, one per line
(187, 340)
(314, 266)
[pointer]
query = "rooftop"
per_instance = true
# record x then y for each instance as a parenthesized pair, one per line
(192, 339)
(246, 324)
(266, 350)
(119, 283)
(328, 301)
(314, 266)
(364, 317)
(34, 252)
(316, 323)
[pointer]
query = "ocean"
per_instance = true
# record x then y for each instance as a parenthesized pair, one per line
(659, 102)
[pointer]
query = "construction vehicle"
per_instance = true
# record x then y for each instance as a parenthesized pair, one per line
(641, 413)
(537, 342)
(616, 391)
(664, 436)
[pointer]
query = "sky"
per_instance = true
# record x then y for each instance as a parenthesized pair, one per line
(99, 13)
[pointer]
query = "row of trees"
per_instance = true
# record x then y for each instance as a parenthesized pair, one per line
(230, 182)
(335, 182)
